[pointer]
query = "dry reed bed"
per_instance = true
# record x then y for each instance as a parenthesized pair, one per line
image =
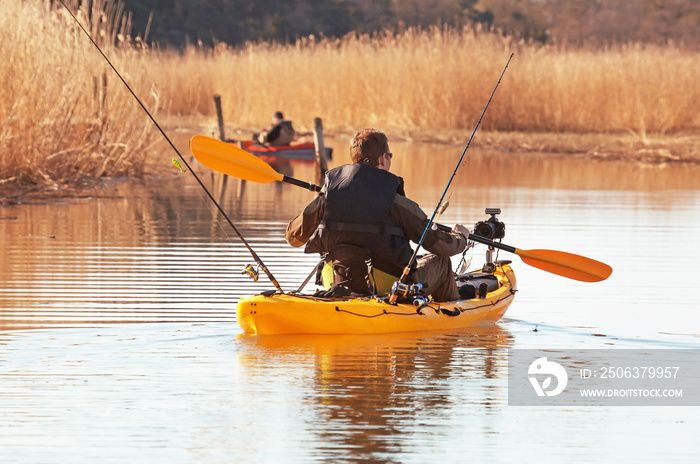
(64, 119)
(439, 80)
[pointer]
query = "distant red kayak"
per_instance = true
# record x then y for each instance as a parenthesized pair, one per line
(304, 151)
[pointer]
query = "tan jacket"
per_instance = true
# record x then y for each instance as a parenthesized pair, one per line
(405, 212)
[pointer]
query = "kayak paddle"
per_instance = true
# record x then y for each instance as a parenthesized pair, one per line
(561, 263)
(229, 159)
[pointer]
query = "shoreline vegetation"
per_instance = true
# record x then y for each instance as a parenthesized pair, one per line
(67, 122)
(681, 147)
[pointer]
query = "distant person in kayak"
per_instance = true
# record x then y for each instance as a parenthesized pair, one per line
(280, 134)
(362, 224)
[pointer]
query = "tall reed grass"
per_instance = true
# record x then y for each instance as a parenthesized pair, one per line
(440, 79)
(64, 118)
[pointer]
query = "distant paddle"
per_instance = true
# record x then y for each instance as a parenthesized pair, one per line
(229, 159)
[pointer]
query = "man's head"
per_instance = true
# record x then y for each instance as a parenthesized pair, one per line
(371, 146)
(277, 117)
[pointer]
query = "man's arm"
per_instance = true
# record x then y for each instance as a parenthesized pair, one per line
(407, 214)
(303, 226)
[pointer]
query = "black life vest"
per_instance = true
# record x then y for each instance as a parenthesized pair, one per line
(357, 214)
(282, 134)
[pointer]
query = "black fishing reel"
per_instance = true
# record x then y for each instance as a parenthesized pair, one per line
(492, 228)
(406, 290)
(412, 292)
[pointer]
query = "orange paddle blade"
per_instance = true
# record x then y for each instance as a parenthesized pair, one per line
(566, 264)
(229, 159)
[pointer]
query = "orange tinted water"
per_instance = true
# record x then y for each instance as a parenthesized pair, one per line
(118, 339)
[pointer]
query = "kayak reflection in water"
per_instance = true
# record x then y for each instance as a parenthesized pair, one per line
(378, 389)
(361, 224)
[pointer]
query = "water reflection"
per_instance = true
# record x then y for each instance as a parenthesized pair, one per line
(158, 251)
(368, 393)
(158, 392)
(431, 165)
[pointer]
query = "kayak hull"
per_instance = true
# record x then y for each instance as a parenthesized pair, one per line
(289, 314)
(303, 152)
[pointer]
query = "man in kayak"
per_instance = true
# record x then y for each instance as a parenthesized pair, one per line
(362, 223)
(280, 134)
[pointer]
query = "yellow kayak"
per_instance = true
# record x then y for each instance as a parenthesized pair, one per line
(304, 314)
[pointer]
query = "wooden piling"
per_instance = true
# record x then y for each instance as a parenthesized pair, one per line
(221, 180)
(220, 117)
(321, 162)
(241, 182)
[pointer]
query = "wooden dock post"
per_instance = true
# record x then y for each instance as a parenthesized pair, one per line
(220, 117)
(321, 162)
(241, 182)
(220, 183)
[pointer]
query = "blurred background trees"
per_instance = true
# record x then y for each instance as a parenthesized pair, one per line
(599, 22)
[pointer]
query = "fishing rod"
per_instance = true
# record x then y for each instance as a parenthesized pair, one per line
(394, 295)
(187, 166)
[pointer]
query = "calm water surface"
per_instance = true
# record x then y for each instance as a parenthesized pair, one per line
(118, 340)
